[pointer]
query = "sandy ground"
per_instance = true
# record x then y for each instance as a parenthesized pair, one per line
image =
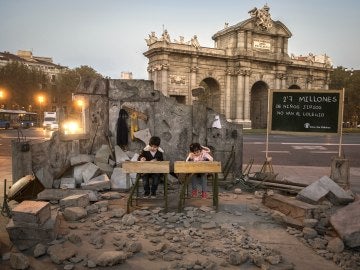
(166, 243)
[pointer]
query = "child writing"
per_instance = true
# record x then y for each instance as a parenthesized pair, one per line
(151, 152)
(199, 153)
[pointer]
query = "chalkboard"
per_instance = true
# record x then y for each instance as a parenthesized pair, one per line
(305, 110)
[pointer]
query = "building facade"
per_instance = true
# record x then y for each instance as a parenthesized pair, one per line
(48, 67)
(233, 78)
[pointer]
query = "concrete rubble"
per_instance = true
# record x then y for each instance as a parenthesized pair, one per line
(112, 237)
(325, 188)
(346, 222)
(32, 222)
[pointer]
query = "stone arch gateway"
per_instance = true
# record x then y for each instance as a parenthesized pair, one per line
(254, 50)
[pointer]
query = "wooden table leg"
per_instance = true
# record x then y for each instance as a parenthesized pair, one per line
(166, 192)
(216, 192)
(134, 187)
(182, 195)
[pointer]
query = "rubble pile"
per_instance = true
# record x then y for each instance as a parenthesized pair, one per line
(318, 217)
(97, 172)
(171, 238)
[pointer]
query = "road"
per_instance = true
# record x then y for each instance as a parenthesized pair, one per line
(291, 150)
(7, 135)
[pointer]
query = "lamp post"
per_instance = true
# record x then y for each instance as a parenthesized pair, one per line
(2, 97)
(41, 100)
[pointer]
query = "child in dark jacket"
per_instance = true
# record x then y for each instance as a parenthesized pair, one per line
(199, 153)
(151, 152)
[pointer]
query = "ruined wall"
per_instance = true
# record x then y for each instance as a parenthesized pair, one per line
(176, 124)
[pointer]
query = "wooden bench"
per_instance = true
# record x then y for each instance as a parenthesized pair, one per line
(188, 168)
(140, 167)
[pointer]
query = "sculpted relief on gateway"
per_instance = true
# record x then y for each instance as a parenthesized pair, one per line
(262, 16)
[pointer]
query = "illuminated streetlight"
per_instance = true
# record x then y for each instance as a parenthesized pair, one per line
(41, 100)
(2, 97)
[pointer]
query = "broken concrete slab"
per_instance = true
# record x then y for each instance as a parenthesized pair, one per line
(58, 194)
(78, 173)
(25, 236)
(323, 188)
(74, 213)
(45, 176)
(120, 155)
(90, 171)
(80, 200)
(67, 182)
(102, 155)
(346, 222)
(119, 179)
(295, 211)
(105, 168)
(81, 159)
(37, 212)
(101, 182)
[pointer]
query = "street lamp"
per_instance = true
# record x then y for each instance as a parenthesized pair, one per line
(41, 100)
(2, 97)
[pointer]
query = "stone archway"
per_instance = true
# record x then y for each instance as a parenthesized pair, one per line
(258, 109)
(212, 95)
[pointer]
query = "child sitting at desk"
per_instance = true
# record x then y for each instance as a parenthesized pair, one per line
(199, 153)
(151, 152)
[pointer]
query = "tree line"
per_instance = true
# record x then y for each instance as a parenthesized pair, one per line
(22, 85)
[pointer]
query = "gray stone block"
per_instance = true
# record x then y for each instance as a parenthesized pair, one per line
(78, 173)
(119, 179)
(105, 168)
(120, 155)
(102, 155)
(58, 194)
(31, 212)
(25, 236)
(90, 171)
(324, 187)
(68, 182)
(346, 222)
(74, 213)
(100, 182)
(80, 200)
(81, 159)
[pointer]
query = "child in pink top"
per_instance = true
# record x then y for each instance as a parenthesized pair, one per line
(199, 153)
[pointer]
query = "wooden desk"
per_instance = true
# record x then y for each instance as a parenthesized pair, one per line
(189, 167)
(139, 167)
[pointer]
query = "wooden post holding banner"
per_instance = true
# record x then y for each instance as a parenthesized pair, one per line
(140, 167)
(189, 168)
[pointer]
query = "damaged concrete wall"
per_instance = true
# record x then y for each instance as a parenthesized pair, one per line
(176, 124)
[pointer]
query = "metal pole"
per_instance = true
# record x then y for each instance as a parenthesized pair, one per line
(341, 121)
(267, 126)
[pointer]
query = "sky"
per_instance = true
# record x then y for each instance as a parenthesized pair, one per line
(109, 35)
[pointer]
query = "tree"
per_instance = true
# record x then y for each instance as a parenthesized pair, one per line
(21, 83)
(350, 80)
(67, 83)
